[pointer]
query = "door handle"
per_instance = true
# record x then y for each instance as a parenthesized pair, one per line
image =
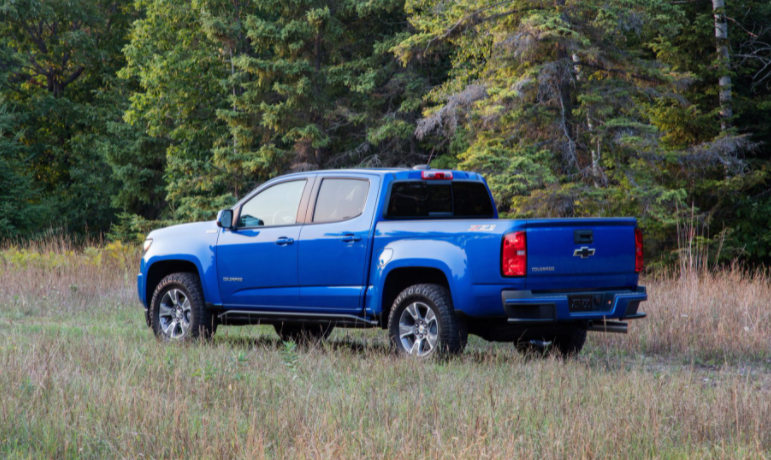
(284, 240)
(349, 238)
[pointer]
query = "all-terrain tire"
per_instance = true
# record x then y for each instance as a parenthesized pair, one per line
(200, 323)
(303, 333)
(452, 334)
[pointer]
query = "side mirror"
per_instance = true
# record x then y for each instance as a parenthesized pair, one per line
(225, 219)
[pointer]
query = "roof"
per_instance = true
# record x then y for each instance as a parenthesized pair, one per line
(399, 173)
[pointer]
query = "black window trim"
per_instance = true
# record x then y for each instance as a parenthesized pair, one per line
(299, 219)
(315, 196)
(386, 217)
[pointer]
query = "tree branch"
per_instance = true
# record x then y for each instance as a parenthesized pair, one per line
(471, 16)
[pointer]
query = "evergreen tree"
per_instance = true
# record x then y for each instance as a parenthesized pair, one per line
(179, 70)
(326, 88)
(572, 109)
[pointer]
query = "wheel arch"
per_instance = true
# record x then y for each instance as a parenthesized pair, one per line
(162, 268)
(401, 278)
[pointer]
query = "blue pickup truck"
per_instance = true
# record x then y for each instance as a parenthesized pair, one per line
(419, 252)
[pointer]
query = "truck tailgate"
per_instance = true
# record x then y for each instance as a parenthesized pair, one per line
(560, 247)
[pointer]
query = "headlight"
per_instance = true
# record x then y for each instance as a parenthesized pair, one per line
(147, 244)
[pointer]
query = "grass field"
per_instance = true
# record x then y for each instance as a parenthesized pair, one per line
(82, 377)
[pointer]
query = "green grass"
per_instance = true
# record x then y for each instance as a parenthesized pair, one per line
(81, 376)
(96, 384)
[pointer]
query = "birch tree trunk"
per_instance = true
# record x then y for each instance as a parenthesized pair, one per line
(566, 103)
(597, 172)
(721, 37)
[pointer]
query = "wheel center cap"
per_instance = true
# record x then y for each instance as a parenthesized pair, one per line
(421, 329)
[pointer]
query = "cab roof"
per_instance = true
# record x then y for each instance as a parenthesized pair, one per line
(398, 173)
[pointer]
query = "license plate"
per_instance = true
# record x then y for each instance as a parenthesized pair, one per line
(581, 302)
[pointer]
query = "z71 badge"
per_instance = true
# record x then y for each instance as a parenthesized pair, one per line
(481, 228)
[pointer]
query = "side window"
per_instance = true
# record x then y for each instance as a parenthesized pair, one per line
(274, 206)
(340, 199)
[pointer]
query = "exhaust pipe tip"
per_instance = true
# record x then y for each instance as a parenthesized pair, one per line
(541, 344)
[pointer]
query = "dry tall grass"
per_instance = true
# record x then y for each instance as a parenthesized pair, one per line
(82, 377)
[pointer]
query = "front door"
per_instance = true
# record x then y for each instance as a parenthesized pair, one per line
(334, 243)
(257, 261)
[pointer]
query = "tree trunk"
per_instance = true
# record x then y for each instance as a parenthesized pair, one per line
(721, 38)
(565, 100)
(596, 169)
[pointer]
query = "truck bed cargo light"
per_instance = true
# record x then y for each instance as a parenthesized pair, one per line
(436, 175)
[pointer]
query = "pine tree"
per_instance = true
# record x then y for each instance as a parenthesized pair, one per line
(573, 109)
(325, 85)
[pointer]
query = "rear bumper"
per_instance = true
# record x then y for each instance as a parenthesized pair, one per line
(528, 308)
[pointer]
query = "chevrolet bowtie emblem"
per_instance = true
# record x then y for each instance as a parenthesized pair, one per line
(583, 252)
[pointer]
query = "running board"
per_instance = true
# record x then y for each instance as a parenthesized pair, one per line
(273, 317)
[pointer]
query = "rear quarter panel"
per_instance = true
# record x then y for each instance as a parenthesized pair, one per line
(466, 251)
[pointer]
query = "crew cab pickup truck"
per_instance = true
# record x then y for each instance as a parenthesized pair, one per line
(419, 252)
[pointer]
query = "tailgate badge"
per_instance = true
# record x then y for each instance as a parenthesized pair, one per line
(584, 252)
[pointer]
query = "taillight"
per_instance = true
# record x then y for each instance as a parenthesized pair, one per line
(436, 175)
(639, 262)
(514, 254)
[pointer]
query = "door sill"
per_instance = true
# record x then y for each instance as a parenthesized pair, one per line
(241, 317)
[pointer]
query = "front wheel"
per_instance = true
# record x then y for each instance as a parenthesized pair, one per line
(178, 309)
(423, 323)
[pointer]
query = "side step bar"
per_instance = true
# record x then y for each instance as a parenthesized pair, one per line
(273, 317)
(608, 326)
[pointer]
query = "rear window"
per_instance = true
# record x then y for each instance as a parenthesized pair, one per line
(445, 200)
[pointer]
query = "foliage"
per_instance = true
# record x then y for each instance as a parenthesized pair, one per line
(117, 117)
(57, 61)
(588, 108)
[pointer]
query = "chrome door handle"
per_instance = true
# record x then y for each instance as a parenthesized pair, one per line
(284, 240)
(349, 238)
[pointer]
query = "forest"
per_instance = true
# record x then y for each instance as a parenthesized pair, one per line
(121, 116)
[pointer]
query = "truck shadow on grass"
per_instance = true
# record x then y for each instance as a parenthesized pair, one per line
(354, 346)
(366, 348)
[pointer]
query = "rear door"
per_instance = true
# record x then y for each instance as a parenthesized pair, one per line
(335, 242)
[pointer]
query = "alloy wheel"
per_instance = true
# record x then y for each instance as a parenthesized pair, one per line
(418, 329)
(174, 314)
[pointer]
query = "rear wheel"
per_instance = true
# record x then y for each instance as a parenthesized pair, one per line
(178, 312)
(303, 333)
(423, 323)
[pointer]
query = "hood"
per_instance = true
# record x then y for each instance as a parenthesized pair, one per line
(185, 230)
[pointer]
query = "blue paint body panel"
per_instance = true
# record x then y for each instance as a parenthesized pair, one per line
(254, 270)
(342, 267)
(333, 257)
